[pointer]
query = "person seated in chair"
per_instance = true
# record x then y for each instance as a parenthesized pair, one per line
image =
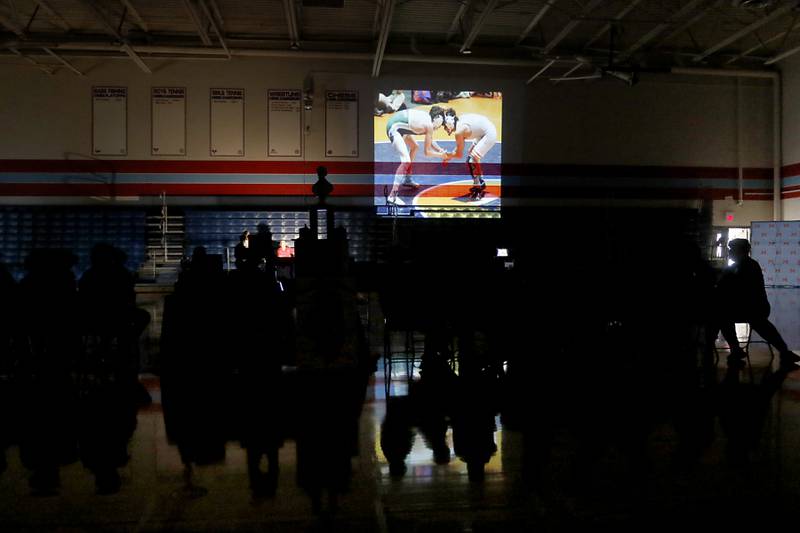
(741, 297)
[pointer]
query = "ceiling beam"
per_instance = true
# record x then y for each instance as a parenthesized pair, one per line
(59, 20)
(606, 27)
(540, 71)
(101, 17)
(198, 23)
(386, 24)
(782, 55)
(571, 25)
(217, 13)
(703, 13)
(747, 30)
(11, 26)
(111, 30)
(462, 8)
(537, 18)
(215, 27)
(761, 44)
(43, 68)
(126, 47)
(660, 28)
(289, 9)
(135, 14)
(476, 28)
(63, 61)
(567, 73)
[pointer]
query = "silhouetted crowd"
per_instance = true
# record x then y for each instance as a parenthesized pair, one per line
(70, 365)
(244, 357)
(590, 355)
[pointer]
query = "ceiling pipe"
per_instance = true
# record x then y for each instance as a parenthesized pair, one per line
(777, 111)
(65, 48)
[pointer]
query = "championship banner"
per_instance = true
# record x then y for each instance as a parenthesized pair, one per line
(110, 121)
(227, 122)
(284, 123)
(341, 123)
(168, 121)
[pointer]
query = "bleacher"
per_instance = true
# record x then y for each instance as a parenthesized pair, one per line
(23, 229)
(220, 230)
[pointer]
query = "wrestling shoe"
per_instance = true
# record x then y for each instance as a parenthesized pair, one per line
(478, 191)
(408, 182)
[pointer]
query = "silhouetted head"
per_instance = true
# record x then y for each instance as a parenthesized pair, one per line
(262, 228)
(49, 261)
(103, 254)
(738, 249)
(322, 172)
(199, 254)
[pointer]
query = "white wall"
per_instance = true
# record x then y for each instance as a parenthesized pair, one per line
(662, 121)
(790, 124)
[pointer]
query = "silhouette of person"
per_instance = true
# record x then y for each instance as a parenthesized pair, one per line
(322, 188)
(242, 251)
(741, 297)
(191, 371)
(259, 322)
(261, 250)
(47, 389)
(109, 371)
(8, 307)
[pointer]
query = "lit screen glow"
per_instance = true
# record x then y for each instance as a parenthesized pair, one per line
(438, 153)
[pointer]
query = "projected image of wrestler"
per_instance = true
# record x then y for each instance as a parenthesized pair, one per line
(478, 129)
(401, 128)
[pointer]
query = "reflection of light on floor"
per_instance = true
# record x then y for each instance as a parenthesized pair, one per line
(420, 463)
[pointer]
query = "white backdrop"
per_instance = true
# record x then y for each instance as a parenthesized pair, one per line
(776, 246)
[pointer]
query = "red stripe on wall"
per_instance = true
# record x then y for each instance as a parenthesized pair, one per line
(355, 190)
(371, 167)
(790, 170)
(184, 167)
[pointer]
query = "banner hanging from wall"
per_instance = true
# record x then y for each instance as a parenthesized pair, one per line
(168, 121)
(110, 121)
(341, 123)
(227, 122)
(284, 123)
